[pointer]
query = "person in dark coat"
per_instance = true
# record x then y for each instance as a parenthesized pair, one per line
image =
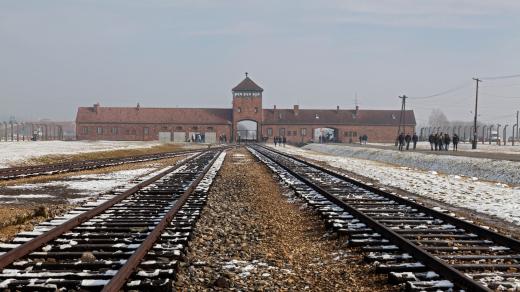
(284, 141)
(408, 138)
(414, 140)
(455, 141)
(275, 140)
(400, 140)
(431, 139)
(447, 141)
(365, 139)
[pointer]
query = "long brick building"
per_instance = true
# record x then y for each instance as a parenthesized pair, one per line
(246, 120)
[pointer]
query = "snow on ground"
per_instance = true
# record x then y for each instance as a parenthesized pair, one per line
(492, 148)
(74, 189)
(504, 171)
(13, 152)
(490, 198)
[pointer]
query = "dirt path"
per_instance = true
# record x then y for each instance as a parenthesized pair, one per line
(254, 236)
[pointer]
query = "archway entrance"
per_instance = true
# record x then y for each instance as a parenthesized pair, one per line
(247, 131)
(325, 135)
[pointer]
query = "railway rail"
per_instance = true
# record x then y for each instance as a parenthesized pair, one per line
(131, 240)
(54, 168)
(423, 248)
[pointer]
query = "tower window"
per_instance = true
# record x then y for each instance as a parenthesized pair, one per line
(317, 116)
(269, 132)
(99, 130)
(239, 109)
(256, 109)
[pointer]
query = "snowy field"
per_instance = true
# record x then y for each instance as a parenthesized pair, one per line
(488, 169)
(15, 152)
(493, 148)
(494, 199)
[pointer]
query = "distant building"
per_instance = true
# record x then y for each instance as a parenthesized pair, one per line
(246, 120)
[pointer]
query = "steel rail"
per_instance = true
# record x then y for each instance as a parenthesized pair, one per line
(28, 247)
(496, 237)
(28, 171)
(418, 253)
(118, 281)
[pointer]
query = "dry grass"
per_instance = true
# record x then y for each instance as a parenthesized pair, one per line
(59, 158)
(127, 166)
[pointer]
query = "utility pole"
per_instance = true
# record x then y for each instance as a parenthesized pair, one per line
(402, 116)
(474, 144)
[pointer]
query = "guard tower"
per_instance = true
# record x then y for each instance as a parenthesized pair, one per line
(247, 110)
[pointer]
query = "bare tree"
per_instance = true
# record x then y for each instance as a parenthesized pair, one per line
(438, 118)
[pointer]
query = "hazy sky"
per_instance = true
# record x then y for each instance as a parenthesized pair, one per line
(58, 55)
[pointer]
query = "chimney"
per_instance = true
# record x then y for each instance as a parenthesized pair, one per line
(274, 108)
(357, 108)
(95, 107)
(296, 109)
(138, 107)
(337, 109)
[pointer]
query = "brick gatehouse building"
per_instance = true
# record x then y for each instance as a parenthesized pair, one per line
(246, 120)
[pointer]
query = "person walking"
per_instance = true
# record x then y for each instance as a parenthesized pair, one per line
(284, 141)
(455, 142)
(365, 139)
(360, 139)
(408, 138)
(401, 141)
(430, 139)
(275, 139)
(414, 140)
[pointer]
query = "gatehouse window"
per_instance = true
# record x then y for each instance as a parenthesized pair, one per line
(282, 132)
(99, 130)
(303, 132)
(354, 134)
(115, 130)
(288, 133)
(85, 130)
(146, 130)
(269, 132)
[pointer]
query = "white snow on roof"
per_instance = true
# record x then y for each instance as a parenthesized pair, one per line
(486, 197)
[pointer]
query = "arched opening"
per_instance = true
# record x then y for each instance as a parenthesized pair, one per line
(325, 135)
(247, 131)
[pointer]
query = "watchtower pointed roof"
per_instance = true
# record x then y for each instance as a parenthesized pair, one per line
(247, 85)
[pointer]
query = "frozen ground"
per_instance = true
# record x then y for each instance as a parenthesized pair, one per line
(493, 148)
(72, 189)
(495, 199)
(503, 171)
(13, 152)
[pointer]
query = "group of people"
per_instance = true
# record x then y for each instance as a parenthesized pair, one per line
(403, 140)
(222, 138)
(441, 141)
(279, 140)
(363, 139)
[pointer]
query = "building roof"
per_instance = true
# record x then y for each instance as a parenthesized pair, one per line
(247, 85)
(336, 117)
(98, 114)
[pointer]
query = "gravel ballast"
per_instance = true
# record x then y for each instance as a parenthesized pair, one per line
(253, 235)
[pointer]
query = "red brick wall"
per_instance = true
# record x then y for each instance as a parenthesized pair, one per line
(250, 109)
(135, 132)
(383, 134)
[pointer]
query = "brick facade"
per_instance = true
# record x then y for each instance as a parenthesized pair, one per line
(297, 125)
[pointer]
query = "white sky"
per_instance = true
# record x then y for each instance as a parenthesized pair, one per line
(58, 55)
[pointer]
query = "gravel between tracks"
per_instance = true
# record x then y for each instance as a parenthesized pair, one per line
(254, 236)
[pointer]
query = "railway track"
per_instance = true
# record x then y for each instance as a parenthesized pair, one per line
(55, 168)
(425, 249)
(131, 240)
